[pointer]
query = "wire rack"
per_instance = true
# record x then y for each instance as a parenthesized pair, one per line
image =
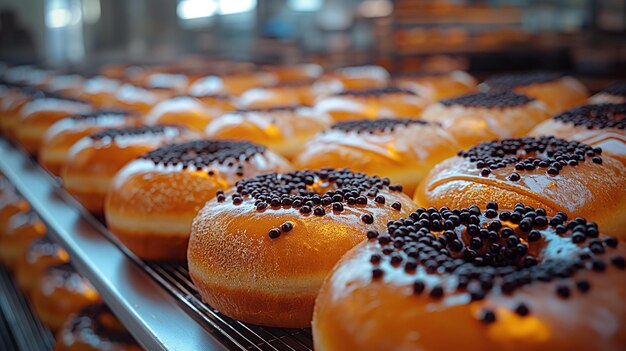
(20, 329)
(175, 278)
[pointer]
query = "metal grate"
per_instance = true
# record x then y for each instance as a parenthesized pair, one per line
(20, 329)
(175, 278)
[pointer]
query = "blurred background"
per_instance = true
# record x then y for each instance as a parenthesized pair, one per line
(586, 37)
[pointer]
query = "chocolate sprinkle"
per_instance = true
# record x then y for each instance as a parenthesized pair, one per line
(88, 323)
(103, 115)
(596, 116)
(511, 81)
(375, 92)
(371, 126)
(135, 132)
(489, 100)
(618, 89)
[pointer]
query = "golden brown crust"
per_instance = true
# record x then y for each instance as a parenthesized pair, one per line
(552, 307)
(437, 87)
(248, 275)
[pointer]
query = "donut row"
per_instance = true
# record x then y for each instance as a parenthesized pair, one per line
(63, 300)
(497, 207)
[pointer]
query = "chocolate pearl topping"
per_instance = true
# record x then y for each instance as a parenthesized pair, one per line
(376, 92)
(135, 132)
(511, 81)
(596, 116)
(201, 153)
(103, 115)
(489, 100)
(618, 88)
(482, 258)
(269, 109)
(89, 321)
(528, 154)
(371, 126)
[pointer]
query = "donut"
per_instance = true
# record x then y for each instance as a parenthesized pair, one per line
(94, 328)
(615, 94)
(22, 229)
(296, 72)
(283, 130)
(11, 204)
(61, 292)
(153, 199)
(11, 104)
(436, 86)
(402, 149)
(217, 102)
(352, 78)
(42, 253)
(231, 84)
(596, 125)
(139, 99)
(37, 115)
(477, 279)
(62, 135)
(94, 160)
(547, 172)
(558, 92)
(372, 103)
(65, 84)
(477, 117)
(182, 110)
(259, 251)
(100, 91)
(284, 94)
(176, 82)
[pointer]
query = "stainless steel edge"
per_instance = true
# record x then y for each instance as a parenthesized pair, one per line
(150, 313)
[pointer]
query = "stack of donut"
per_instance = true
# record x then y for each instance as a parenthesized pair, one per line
(421, 212)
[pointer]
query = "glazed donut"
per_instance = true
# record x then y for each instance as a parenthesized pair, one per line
(557, 92)
(176, 82)
(259, 252)
(436, 86)
(371, 104)
(61, 292)
(37, 115)
(153, 199)
(139, 99)
(100, 91)
(21, 230)
(42, 253)
(614, 94)
(231, 84)
(94, 328)
(596, 125)
(11, 204)
(352, 78)
(404, 150)
(62, 135)
(295, 73)
(66, 84)
(283, 130)
(284, 94)
(472, 279)
(480, 117)
(555, 174)
(94, 160)
(182, 110)
(12, 102)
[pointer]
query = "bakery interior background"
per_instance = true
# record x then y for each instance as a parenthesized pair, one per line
(585, 37)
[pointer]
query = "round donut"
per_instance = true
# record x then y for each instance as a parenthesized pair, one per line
(283, 130)
(477, 279)
(94, 328)
(94, 160)
(480, 117)
(285, 94)
(233, 84)
(436, 86)
(183, 110)
(153, 199)
(259, 252)
(37, 115)
(12, 102)
(42, 253)
(296, 72)
(176, 82)
(404, 150)
(65, 84)
(100, 91)
(596, 125)
(371, 104)
(62, 135)
(140, 99)
(614, 94)
(62, 292)
(11, 204)
(352, 78)
(22, 229)
(558, 92)
(548, 172)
